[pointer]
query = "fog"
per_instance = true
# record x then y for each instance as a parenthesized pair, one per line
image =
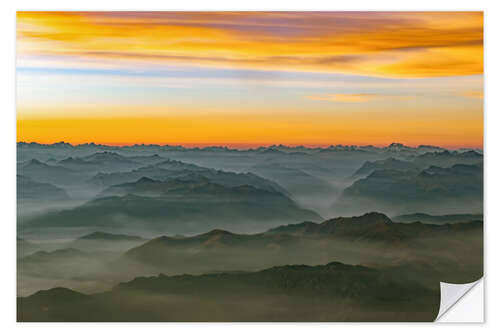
(89, 236)
(94, 267)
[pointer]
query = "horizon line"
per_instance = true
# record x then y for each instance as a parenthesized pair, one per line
(246, 146)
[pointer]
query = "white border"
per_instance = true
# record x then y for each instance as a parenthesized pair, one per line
(8, 137)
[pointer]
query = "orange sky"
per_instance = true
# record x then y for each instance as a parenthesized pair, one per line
(251, 78)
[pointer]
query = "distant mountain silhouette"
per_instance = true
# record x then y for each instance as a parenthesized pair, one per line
(389, 163)
(76, 163)
(147, 159)
(177, 186)
(295, 181)
(45, 173)
(447, 159)
(106, 157)
(442, 158)
(99, 162)
(179, 206)
(171, 169)
(433, 190)
(29, 190)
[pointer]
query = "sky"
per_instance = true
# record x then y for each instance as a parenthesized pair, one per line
(245, 79)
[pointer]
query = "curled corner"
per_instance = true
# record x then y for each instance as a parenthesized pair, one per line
(451, 293)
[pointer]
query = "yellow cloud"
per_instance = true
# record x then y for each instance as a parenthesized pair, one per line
(396, 44)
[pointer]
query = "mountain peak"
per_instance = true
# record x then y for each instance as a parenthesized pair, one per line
(99, 235)
(376, 215)
(59, 293)
(218, 232)
(103, 156)
(365, 218)
(396, 146)
(146, 180)
(371, 226)
(34, 161)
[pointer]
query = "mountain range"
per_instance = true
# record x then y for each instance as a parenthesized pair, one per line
(390, 163)
(435, 190)
(335, 237)
(176, 169)
(281, 147)
(331, 292)
(105, 241)
(45, 173)
(173, 233)
(108, 161)
(179, 206)
(29, 190)
(420, 162)
(255, 271)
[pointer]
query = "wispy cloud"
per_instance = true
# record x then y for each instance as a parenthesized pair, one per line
(356, 98)
(398, 44)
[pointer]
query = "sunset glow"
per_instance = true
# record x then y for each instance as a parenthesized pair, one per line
(246, 79)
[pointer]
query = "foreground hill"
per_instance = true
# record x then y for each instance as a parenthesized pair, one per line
(57, 264)
(435, 190)
(180, 206)
(373, 227)
(426, 253)
(87, 271)
(372, 238)
(332, 292)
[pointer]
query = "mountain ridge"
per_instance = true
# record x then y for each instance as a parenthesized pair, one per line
(393, 146)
